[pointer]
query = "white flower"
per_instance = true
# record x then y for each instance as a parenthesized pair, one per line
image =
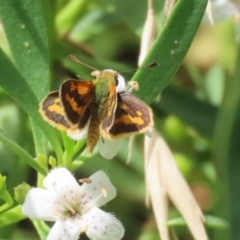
(74, 208)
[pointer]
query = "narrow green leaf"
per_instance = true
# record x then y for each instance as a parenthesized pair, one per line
(21, 153)
(170, 48)
(24, 96)
(211, 221)
(24, 19)
(39, 139)
(215, 222)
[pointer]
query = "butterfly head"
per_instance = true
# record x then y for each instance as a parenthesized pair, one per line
(119, 79)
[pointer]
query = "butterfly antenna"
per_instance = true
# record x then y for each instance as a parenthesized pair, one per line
(78, 61)
(147, 66)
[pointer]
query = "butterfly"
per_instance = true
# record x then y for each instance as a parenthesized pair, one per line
(102, 106)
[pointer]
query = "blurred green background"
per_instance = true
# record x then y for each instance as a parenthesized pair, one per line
(197, 113)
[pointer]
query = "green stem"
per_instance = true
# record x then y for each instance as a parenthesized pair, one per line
(42, 228)
(68, 146)
(80, 145)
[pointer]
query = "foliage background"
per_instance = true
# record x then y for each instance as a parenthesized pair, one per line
(197, 113)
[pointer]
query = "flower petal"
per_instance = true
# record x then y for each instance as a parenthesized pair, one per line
(39, 204)
(94, 192)
(69, 229)
(102, 225)
(78, 135)
(61, 182)
(109, 148)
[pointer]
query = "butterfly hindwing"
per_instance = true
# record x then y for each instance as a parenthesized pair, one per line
(76, 99)
(52, 111)
(131, 116)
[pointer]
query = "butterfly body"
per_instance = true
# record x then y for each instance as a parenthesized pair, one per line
(101, 106)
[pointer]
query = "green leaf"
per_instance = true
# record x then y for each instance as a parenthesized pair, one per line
(24, 96)
(21, 153)
(211, 221)
(24, 19)
(29, 49)
(215, 222)
(39, 139)
(170, 48)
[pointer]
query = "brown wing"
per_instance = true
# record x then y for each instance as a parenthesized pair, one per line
(51, 110)
(132, 116)
(76, 98)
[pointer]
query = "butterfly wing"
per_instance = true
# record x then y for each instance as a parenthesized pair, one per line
(76, 97)
(111, 108)
(52, 112)
(132, 116)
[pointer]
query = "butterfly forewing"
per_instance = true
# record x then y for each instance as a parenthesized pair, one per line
(131, 116)
(52, 111)
(111, 108)
(76, 99)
